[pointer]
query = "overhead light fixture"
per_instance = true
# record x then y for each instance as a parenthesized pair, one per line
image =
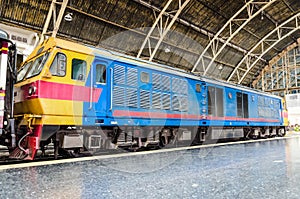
(167, 50)
(262, 16)
(69, 17)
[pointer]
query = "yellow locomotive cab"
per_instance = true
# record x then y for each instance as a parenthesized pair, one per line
(46, 90)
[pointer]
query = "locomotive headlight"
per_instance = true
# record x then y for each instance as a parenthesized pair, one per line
(31, 90)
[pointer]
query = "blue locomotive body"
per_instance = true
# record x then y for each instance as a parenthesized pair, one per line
(137, 95)
(141, 95)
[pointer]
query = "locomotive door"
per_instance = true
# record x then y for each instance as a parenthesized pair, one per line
(100, 87)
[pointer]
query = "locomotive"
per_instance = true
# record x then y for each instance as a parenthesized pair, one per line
(78, 98)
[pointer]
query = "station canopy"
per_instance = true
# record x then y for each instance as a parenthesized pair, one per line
(232, 40)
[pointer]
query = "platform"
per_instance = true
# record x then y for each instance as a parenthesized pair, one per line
(263, 169)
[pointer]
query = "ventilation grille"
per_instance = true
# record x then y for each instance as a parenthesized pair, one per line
(132, 77)
(166, 101)
(119, 74)
(156, 81)
(175, 103)
(118, 96)
(166, 83)
(184, 103)
(156, 102)
(180, 103)
(260, 100)
(184, 87)
(131, 95)
(167, 93)
(179, 86)
(176, 85)
(145, 99)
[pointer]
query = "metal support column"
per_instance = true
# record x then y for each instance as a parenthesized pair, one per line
(56, 21)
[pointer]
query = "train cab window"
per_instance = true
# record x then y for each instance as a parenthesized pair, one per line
(23, 70)
(37, 65)
(78, 69)
(100, 73)
(145, 77)
(58, 66)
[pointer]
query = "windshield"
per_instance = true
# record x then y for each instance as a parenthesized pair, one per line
(22, 72)
(32, 68)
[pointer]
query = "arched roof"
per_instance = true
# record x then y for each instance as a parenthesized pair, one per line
(231, 40)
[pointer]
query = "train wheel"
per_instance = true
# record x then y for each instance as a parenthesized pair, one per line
(281, 132)
(255, 137)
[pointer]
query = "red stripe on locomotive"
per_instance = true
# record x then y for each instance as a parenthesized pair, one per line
(58, 91)
(126, 113)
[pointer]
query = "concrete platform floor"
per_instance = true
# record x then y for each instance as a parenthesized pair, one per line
(264, 169)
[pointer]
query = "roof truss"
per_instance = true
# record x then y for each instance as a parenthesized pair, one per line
(272, 38)
(214, 43)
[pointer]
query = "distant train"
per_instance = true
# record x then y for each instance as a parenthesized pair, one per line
(78, 98)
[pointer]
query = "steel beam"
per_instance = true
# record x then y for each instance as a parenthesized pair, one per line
(166, 30)
(274, 60)
(152, 37)
(261, 45)
(56, 21)
(280, 36)
(170, 15)
(159, 18)
(162, 27)
(59, 18)
(196, 28)
(213, 44)
(47, 22)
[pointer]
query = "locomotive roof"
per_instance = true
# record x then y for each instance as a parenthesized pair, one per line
(147, 64)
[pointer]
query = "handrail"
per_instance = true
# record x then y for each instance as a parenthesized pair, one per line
(111, 88)
(91, 88)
